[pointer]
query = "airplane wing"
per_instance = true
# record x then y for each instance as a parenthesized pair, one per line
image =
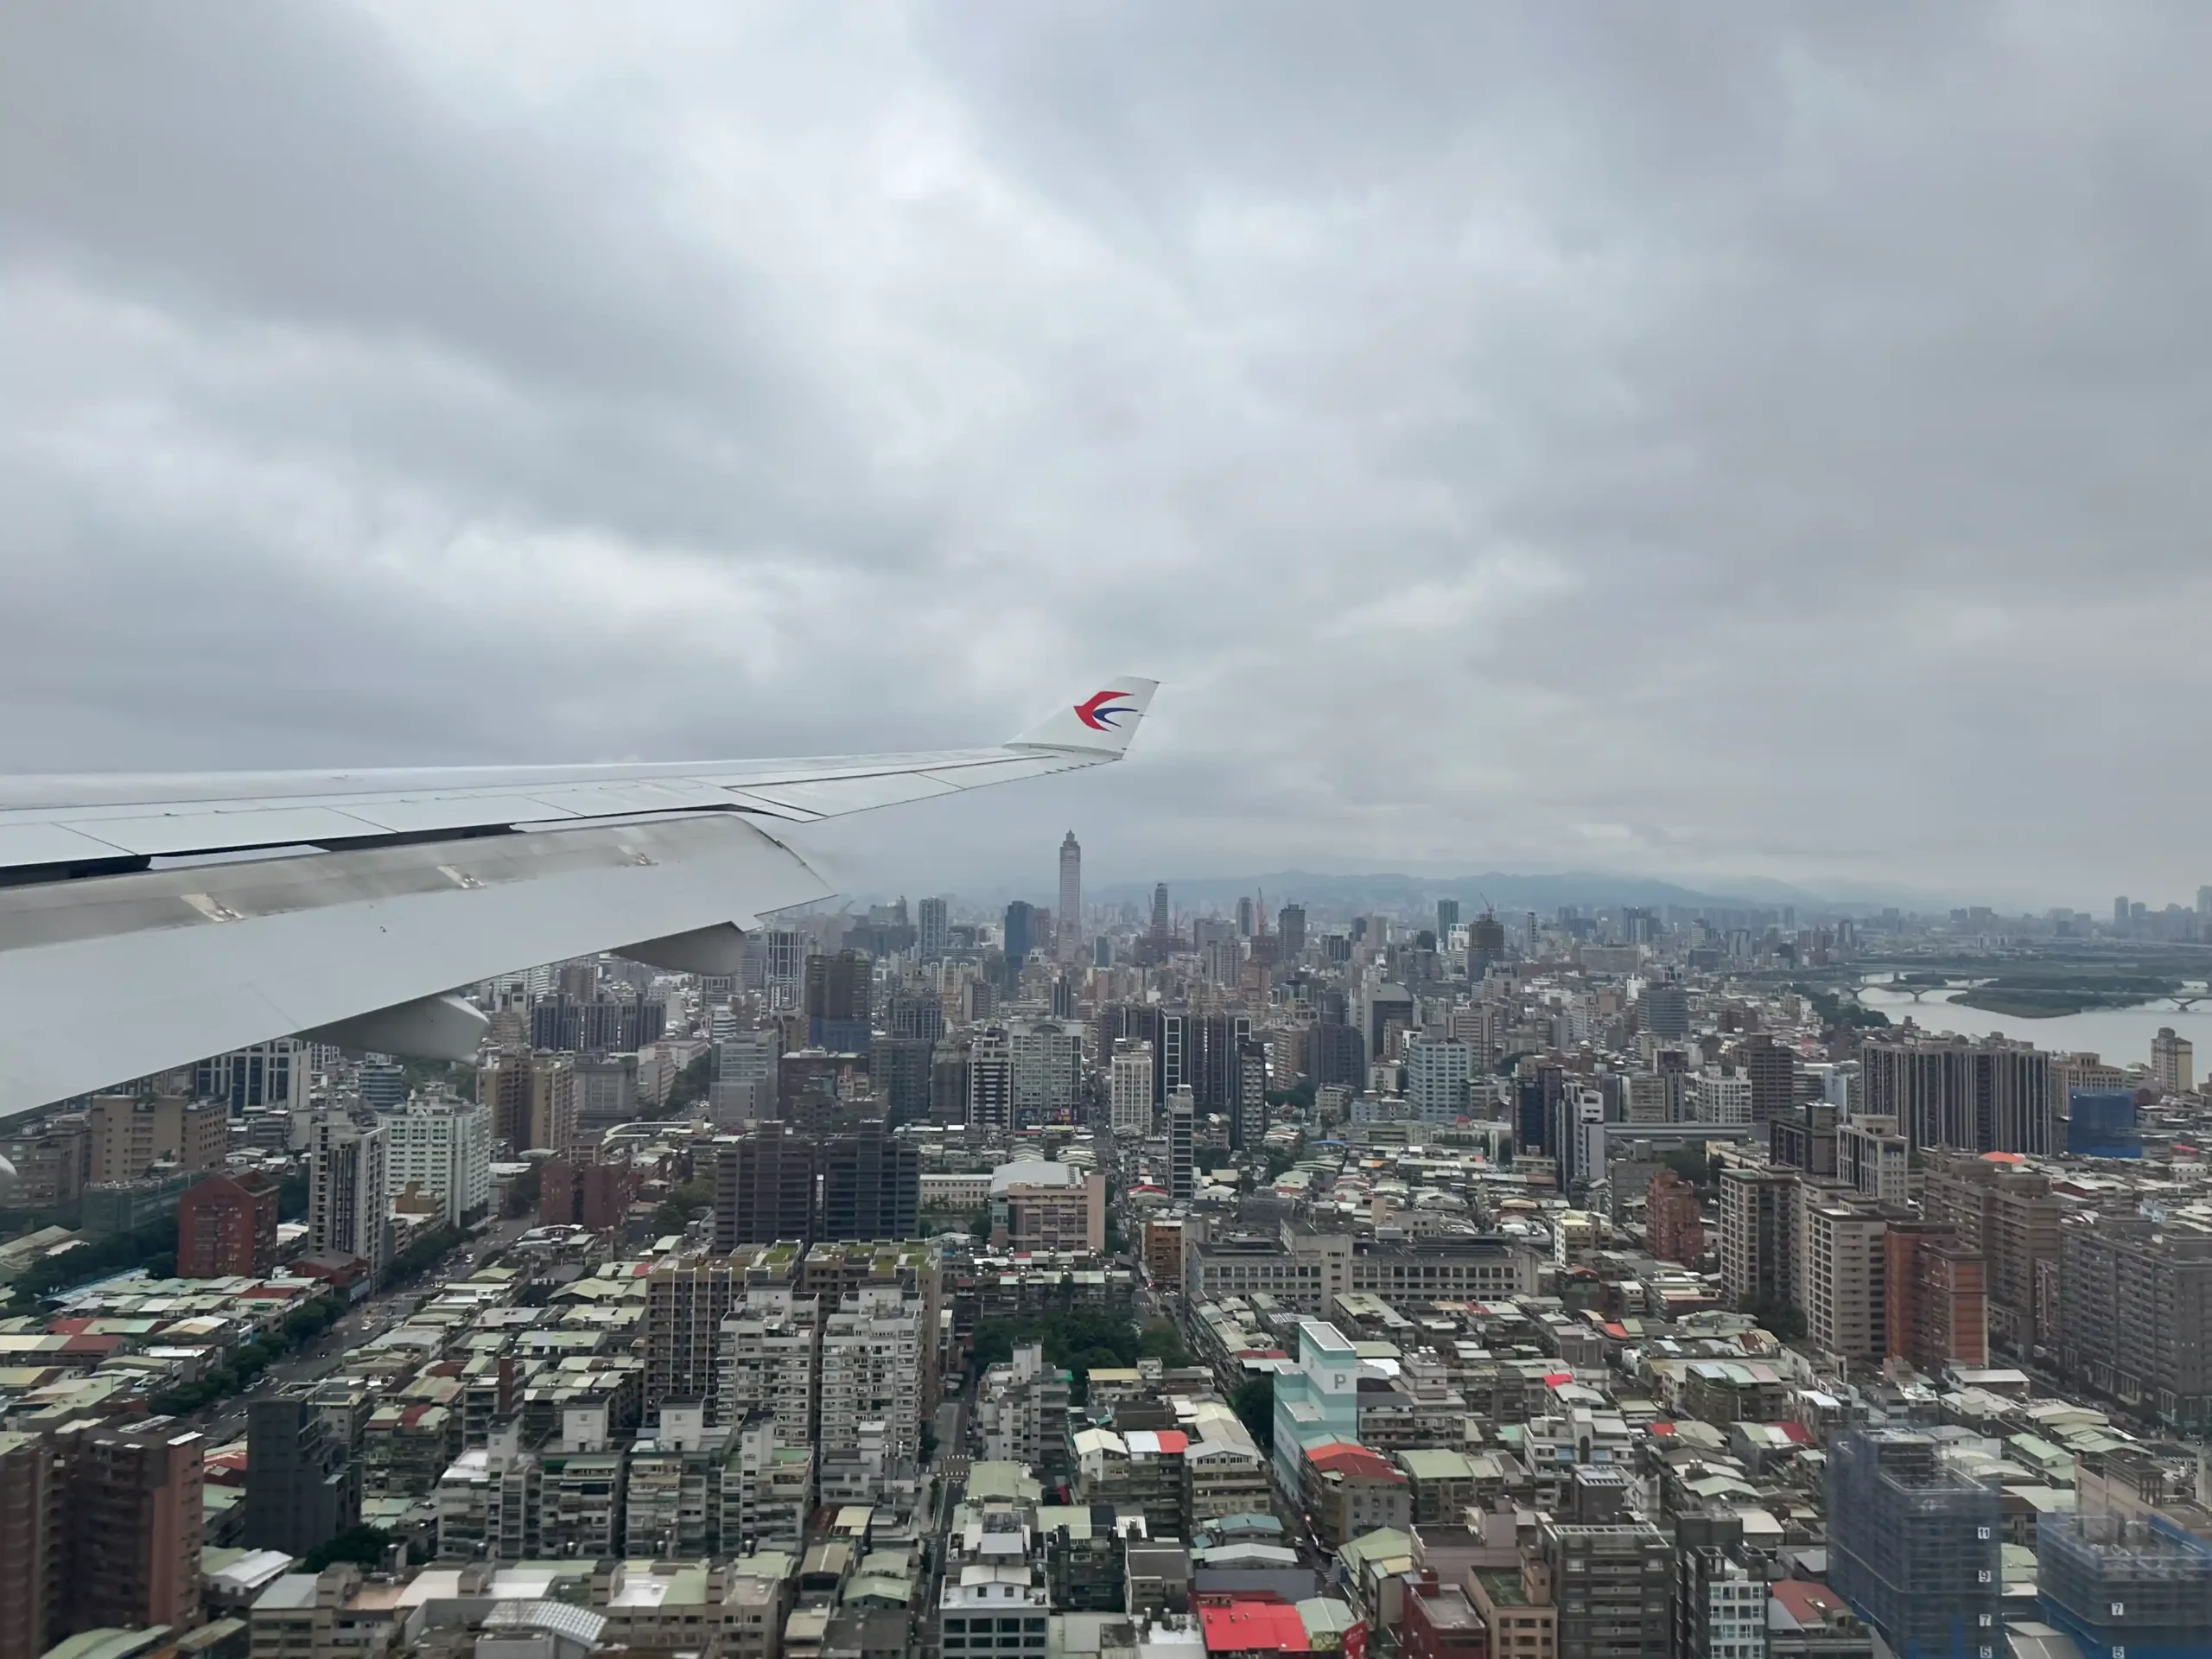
(149, 921)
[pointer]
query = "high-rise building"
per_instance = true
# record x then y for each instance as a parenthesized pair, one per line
(1673, 1219)
(1614, 1583)
(268, 1074)
(1019, 937)
(1847, 1280)
(763, 1188)
(32, 1593)
(100, 1527)
(2173, 1063)
(1128, 1091)
(347, 1186)
(1246, 916)
(1162, 924)
(2120, 1584)
(1290, 923)
(1755, 1234)
(1448, 918)
(128, 1134)
(226, 1226)
(1071, 913)
(1772, 1070)
(1913, 1546)
(687, 1299)
(1182, 1143)
(1938, 1298)
(933, 932)
(2134, 1314)
(839, 992)
(1046, 1079)
(990, 1083)
(1665, 1007)
(1719, 1602)
(948, 1082)
(1209, 1050)
(601, 1026)
(1873, 1159)
(870, 1418)
(1437, 1075)
(771, 1361)
(898, 1070)
(1248, 1117)
(2012, 1216)
(440, 1148)
(1973, 1095)
(531, 1098)
(746, 1066)
(302, 1487)
(871, 1186)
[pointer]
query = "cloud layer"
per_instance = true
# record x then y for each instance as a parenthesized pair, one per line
(1701, 440)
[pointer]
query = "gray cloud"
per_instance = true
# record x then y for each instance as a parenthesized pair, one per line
(1705, 440)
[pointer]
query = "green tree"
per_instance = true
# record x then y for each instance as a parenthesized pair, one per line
(1161, 1340)
(1254, 1403)
(364, 1545)
(683, 1203)
(1775, 1313)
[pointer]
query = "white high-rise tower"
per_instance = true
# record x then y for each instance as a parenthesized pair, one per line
(1070, 916)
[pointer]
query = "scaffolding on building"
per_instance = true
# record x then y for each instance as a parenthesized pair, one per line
(1913, 1546)
(2125, 1586)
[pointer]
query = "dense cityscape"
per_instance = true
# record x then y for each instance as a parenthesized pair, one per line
(1080, 1279)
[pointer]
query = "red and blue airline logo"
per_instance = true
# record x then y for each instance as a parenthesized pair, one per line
(1097, 710)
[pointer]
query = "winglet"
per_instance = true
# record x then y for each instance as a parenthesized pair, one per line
(1103, 720)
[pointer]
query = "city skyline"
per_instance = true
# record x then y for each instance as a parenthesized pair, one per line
(1569, 458)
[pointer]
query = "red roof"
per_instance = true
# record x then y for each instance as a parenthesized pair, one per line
(1242, 1626)
(1553, 1379)
(1808, 1603)
(69, 1327)
(1346, 1458)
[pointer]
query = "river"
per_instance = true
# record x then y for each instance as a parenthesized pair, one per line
(2121, 1036)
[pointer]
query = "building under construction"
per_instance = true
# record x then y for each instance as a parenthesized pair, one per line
(2126, 1586)
(1913, 1546)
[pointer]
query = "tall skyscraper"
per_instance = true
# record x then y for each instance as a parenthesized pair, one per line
(1159, 919)
(1448, 918)
(1247, 917)
(1291, 924)
(348, 1213)
(839, 991)
(1020, 939)
(1070, 945)
(933, 935)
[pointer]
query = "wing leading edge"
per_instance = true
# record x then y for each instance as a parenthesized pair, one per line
(412, 882)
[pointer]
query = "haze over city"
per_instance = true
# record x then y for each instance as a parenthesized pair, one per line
(1705, 442)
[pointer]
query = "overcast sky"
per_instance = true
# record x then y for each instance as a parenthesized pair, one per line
(1693, 440)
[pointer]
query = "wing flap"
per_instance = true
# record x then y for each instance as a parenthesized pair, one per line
(172, 965)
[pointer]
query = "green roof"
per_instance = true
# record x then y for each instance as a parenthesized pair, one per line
(1383, 1544)
(1433, 1463)
(1502, 1586)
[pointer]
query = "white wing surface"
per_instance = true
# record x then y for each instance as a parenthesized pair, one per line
(147, 921)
